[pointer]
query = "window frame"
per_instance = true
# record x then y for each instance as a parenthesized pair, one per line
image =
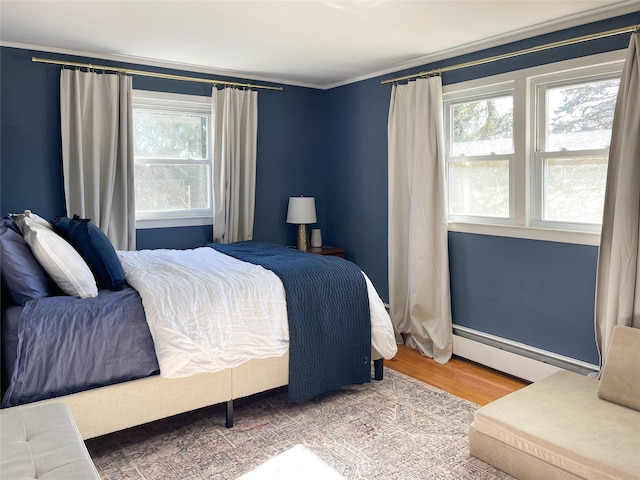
(525, 181)
(163, 102)
(539, 154)
(468, 96)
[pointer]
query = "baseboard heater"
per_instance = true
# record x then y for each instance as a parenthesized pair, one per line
(513, 358)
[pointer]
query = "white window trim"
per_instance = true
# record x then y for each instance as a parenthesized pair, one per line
(521, 82)
(538, 86)
(169, 222)
(183, 103)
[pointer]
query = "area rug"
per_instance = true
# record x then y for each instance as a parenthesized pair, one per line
(397, 429)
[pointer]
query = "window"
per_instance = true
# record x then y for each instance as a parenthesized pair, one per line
(527, 151)
(172, 153)
(480, 156)
(574, 131)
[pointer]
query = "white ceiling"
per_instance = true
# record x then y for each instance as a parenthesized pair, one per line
(313, 43)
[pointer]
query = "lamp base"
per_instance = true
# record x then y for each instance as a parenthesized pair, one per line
(302, 237)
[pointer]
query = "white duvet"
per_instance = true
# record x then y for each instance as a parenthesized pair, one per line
(208, 311)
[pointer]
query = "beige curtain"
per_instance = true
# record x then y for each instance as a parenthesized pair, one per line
(235, 117)
(419, 294)
(618, 277)
(97, 152)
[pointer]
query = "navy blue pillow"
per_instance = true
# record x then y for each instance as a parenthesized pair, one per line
(96, 249)
(22, 274)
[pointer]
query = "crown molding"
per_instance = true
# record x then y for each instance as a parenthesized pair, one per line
(602, 13)
(148, 62)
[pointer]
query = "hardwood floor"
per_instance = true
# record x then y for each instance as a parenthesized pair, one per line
(460, 377)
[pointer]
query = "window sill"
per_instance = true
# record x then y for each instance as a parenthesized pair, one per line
(530, 233)
(173, 222)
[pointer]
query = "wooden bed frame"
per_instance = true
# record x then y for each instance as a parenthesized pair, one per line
(115, 407)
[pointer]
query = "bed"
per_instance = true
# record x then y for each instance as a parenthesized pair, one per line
(124, 338)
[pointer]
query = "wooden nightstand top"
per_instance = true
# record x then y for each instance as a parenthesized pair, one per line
(336, 252)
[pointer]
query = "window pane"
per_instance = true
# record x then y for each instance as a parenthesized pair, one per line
(479, 188)
(171, 187)
(579, 117)
(169, 135)
(574, 189)
(482, 127)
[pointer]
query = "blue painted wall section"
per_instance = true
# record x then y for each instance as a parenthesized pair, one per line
(30, 147)
(291, 160)
(534, 292)
(357, 176)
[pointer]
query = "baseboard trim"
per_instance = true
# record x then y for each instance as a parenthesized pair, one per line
(513, 358)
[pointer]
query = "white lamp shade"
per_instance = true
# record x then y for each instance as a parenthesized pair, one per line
(302, 210)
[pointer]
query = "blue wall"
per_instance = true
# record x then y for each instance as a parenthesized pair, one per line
(357, 176)
(537, 293)
(291, 147)
(333, 145)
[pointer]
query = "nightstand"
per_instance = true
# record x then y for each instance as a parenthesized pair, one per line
(335, 252)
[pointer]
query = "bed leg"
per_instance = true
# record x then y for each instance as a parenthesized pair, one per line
(229, 413)
(378, 370)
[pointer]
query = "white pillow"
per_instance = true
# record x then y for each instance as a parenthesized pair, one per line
(60, 260)
(37, 219)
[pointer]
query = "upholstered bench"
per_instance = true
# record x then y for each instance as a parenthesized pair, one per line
(568, 426)
(42, 442)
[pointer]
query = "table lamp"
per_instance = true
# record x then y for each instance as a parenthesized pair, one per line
(302, 210)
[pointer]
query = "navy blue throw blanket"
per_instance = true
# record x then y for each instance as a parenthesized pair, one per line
(329, 316)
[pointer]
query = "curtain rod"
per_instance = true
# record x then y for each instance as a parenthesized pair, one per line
(151, 74)
(539, 48)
